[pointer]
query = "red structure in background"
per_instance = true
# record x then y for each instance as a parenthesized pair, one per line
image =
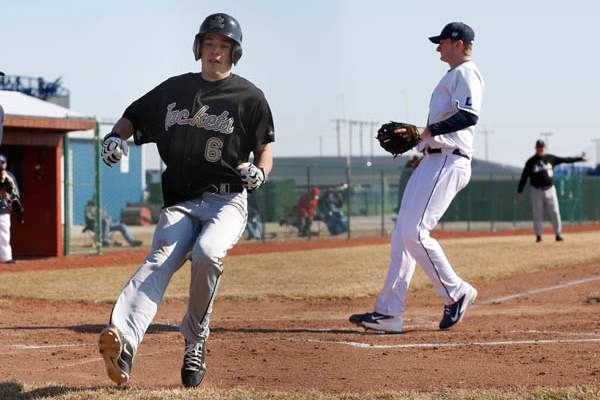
(34, 148)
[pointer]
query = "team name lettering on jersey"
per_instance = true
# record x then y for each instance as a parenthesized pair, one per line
(218, 123)
(543, 166)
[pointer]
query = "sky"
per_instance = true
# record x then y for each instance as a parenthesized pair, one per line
(320, 60)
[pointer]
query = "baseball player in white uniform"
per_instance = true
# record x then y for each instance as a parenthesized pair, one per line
(447, 143)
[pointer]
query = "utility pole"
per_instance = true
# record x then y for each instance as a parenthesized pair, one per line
(338, 122)
(546, 135)
(372, 137)
(349, 158)
(485, 132)
(360, 136)
(597, 141)
(321, 146)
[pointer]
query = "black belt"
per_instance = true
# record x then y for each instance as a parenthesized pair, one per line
(456, 152)
(220, 188)
(226, 188)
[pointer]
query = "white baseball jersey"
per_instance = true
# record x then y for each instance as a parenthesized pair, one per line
(460, 89)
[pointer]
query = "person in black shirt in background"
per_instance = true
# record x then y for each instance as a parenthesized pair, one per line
(539, 170)
(205, 126)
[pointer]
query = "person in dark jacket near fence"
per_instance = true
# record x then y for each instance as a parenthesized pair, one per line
(539, 169)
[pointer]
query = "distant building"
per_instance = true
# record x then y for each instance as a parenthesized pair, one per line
(332, 170)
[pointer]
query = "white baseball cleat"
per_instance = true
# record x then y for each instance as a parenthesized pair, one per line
(455, 312)
(378, 322)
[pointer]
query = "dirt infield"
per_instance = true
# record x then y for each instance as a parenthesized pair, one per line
(546, 334)
(134, 256)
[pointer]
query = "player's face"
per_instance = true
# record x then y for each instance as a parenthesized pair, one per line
(445, 49)
(450, 51)
(216, 56)
(540, 151)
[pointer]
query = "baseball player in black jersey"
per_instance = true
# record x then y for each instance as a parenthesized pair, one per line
(205, 126)
(539, 170)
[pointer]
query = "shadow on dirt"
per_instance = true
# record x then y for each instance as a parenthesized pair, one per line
(162, 328)
(16, 391)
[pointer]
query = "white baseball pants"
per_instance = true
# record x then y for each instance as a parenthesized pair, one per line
(5, 249)
(547, 199)
(427, 196)
(203, 229)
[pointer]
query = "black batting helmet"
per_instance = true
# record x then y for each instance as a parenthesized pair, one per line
(225, 25)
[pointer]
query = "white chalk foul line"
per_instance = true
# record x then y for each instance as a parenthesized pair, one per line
(463, 344)
(45, 346)
(502, 299)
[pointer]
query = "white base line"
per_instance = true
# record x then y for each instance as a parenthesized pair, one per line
(499, 300)
(432, 345)
(45, 346)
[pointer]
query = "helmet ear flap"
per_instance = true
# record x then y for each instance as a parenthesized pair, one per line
(197, 47)
(236, 53)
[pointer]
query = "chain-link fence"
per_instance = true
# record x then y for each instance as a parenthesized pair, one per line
(368, 200)
(122, 212)
(300, 201)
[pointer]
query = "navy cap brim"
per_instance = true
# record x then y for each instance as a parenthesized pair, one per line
(1, 73)
(435, 39)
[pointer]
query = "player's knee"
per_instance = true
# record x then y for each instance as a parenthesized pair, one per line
(409, 233)
(205, 253)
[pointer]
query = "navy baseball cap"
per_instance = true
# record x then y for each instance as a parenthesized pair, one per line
(1, 73)
(455, 31)
(539, 143)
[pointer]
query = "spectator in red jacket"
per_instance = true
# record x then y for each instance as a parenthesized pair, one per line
(306, 209)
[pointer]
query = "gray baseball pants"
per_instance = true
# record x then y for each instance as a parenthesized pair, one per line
(547, 199)
(202, 230)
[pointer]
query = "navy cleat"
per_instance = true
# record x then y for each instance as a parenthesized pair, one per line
(378, 322)
(455, 312)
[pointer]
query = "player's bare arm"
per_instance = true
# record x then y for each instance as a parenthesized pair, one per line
(124, 128)
(264, 158)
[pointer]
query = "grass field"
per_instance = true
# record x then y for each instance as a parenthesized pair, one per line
(355, 272)
(15, 391)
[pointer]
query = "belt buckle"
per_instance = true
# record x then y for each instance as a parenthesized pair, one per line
(224, 188)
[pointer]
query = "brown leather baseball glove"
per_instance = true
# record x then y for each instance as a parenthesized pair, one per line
(398, 137)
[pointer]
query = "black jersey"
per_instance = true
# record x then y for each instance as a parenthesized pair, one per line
(540, 170)
(203, 130)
